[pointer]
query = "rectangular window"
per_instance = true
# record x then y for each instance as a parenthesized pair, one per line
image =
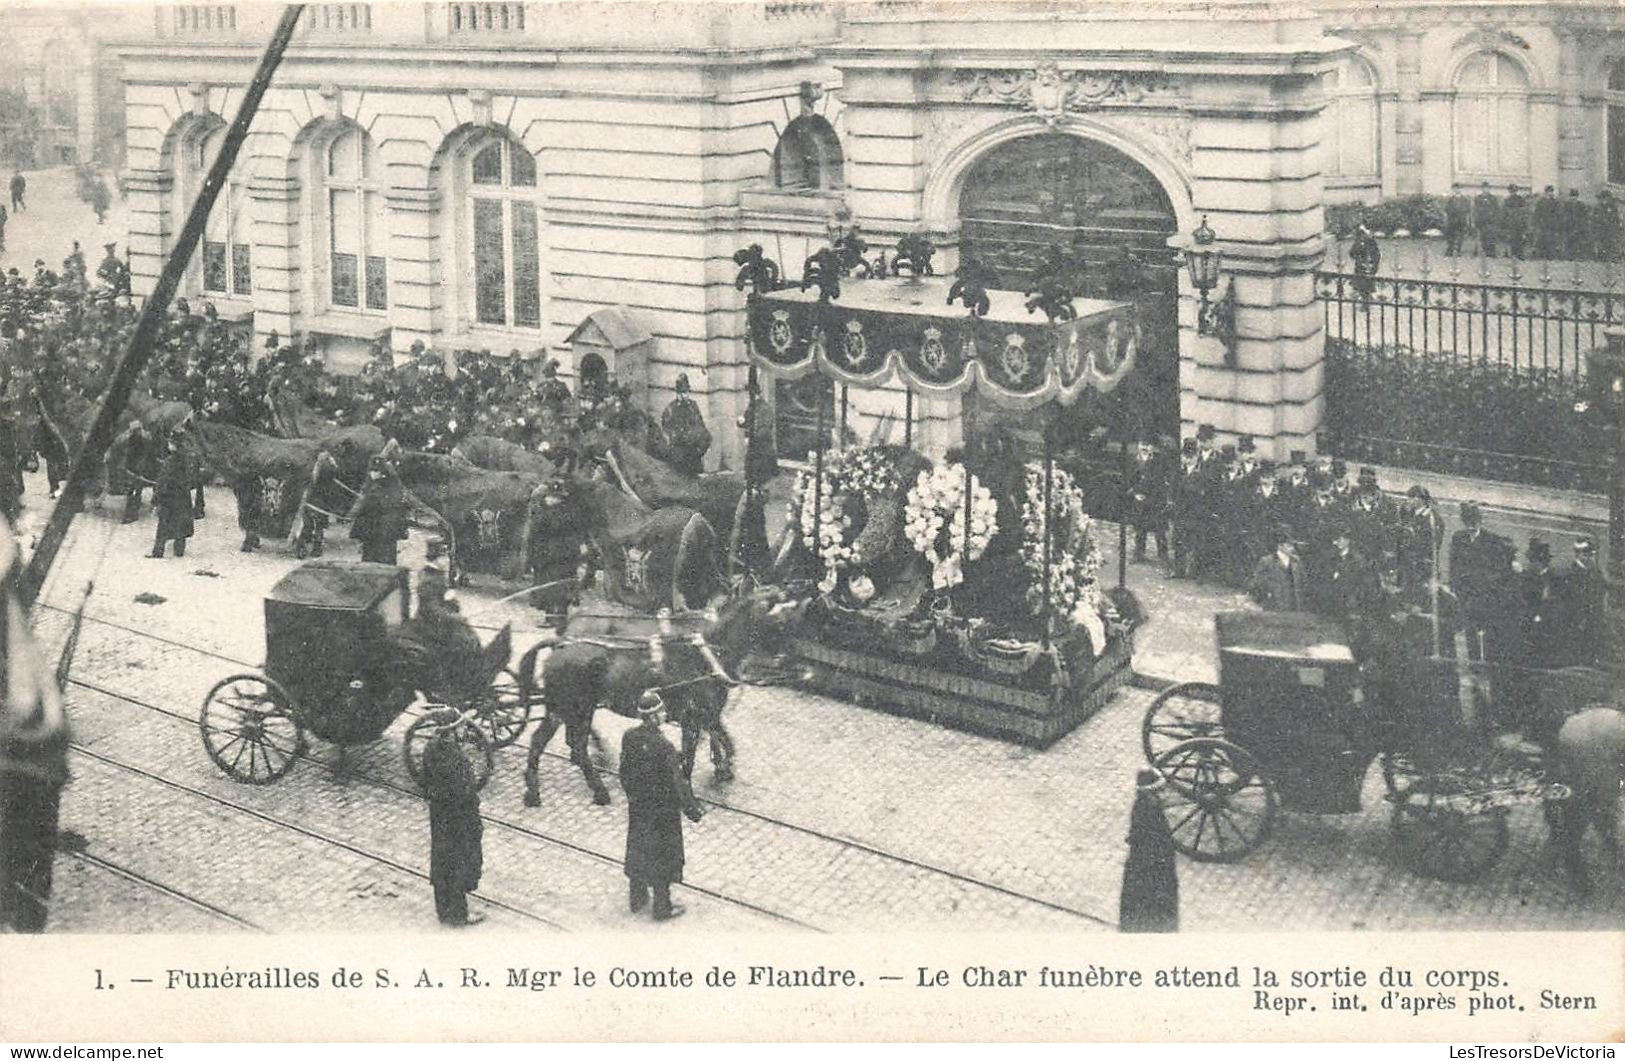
(242, 269)
(377, 283)
(490, 272)
(1616, 145)
(527, 297)
(344, 279)
(214, 266)
(345, 235)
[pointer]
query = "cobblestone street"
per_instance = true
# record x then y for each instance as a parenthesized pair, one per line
(842, 818)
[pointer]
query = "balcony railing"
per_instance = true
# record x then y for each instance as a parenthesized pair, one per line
(779, 10)
(185, 20)
(338, 18)
(471, 19)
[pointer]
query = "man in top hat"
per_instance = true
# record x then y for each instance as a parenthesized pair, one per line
(1515, 221)
(1576, 227)
(1150, 492)
(1187, 507)
(1419, 538)
(139, 453)
(1340, 580)
(1582, 591)
(456, 832)
(1548, 226)
(552, 390)
(1487, 219)
(172, 497)
(379, 516)
(657, 794)
(1480, 570)
(1457, 216)
(1277, 583)
(1340, 487)
(687, 437)
(1366, 254)
(1535, 636)
(1372, 519)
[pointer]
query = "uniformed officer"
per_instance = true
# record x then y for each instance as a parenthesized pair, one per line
(379, 516)
(1515, 221)
(687, 437)
(1487, 219)
(1457, 217)
(552, 390)
(1548, 215)
(656, 794)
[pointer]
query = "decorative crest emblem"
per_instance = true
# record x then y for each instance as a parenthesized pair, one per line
(933, 355)
(271, 494)
(1071, 355)
(1015, 358)
(778, 332)
(636, 576)
(854, 345)
(487, 527)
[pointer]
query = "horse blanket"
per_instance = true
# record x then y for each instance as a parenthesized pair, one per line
(487, 512)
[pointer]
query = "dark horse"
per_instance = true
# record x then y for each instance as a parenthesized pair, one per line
(609, 660)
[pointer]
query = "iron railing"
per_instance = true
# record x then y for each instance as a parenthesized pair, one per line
(1483, 379)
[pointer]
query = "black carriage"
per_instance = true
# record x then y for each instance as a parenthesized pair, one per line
(339, 666)
(1291, 726)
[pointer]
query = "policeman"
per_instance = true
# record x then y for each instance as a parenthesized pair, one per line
(1515, 221)
(686, 434)
(1487, 219)
(379, 517)
(1548, 213)
(1457, 216)
(552, 390)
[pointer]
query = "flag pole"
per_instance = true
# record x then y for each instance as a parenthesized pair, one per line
(140, 349)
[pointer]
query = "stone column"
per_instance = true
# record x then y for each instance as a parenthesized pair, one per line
(1257, 179)
(1408, 148)
(1573, 154)
(149, 225)
(278, 276)
(415, 265)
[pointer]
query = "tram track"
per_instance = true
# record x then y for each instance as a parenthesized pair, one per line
(812, 832)
(123, 872)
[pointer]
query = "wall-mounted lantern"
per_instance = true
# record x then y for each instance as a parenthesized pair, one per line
(1215, 317)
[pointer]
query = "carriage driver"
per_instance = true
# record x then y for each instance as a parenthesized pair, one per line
(445, 657)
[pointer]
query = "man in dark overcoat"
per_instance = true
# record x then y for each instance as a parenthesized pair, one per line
(1582, 592)
(172, 497)
(1480, 570)
(1533, 639)
(379, 516)
(456, 833)
(1150, 491)
(656, 794)
(1277, 583)
(1605, 227)
(1457, 216)
(140, 454)
(1187, 508)
(1515, 221)
(1149, 900)
(1577, 237)
(1548, 211)
(1487, 219)
(250, 509)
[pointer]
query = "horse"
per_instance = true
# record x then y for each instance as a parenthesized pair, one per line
(604, 662)
(1589, 757)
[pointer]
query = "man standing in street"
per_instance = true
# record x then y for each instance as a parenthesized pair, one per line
(1486, 219)
(379, 517)
(172, 497)
(3, 218)
(1582, 592)
(1576, 227)
(456, 834)
(656, 794)
(1150, 486)
(1548, 224)
(1367, 257)
(1606, 227)
(1277, 584)
(1480, 569)
(1515, 221)
(1457, 214)
(19, 187)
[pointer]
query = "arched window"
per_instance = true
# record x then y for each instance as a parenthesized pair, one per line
(1616, 123)
(226, 265)
(357, 225)
(1492, 118)
(1349, 127)
(502, 236)
(808, 156)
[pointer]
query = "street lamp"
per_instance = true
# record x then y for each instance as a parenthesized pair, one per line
(1216, 318)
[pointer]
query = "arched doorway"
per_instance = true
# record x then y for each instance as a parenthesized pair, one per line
(1109, 219)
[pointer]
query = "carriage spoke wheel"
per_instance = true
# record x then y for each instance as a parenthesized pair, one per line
(249, 730)
(1446, 841)
(471, 739)
(1180, 713)
(505, 711)
(1219, 804)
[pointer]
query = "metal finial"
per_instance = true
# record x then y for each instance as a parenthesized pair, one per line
(1204, 234)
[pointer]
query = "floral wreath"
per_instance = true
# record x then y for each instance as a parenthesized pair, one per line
(937, 501)
(861, 473)
(1074, 566)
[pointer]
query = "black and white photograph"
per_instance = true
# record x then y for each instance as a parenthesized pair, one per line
(478, 469)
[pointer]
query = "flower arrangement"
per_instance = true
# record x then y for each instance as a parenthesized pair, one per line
(826, 518)
(1074, 590)
(934, 521)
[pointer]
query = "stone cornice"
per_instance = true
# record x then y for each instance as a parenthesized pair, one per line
(442, 54)
(1255, 61)
(1474, 12)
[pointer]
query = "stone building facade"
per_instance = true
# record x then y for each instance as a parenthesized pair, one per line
(60, 60)
(488, 175)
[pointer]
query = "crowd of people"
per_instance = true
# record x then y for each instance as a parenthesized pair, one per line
(1302, 537)
(1547, 226)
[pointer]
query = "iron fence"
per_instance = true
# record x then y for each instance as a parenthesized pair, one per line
(1489, 380)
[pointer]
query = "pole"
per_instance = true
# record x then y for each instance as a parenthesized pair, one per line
(1049, 523)
(1122, 502)
(139, 352)
(843, 414)
(750, 450)
(818, 484)
(908, 418)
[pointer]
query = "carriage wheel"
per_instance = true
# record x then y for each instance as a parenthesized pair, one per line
(249, 730)
(1180, 713)
(1219, 804)
(505, 712)
(1444, 840)
(471, 740)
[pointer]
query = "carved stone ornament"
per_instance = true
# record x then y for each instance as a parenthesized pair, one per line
(1173, 131)
(1493, 37)
(1051, 92)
